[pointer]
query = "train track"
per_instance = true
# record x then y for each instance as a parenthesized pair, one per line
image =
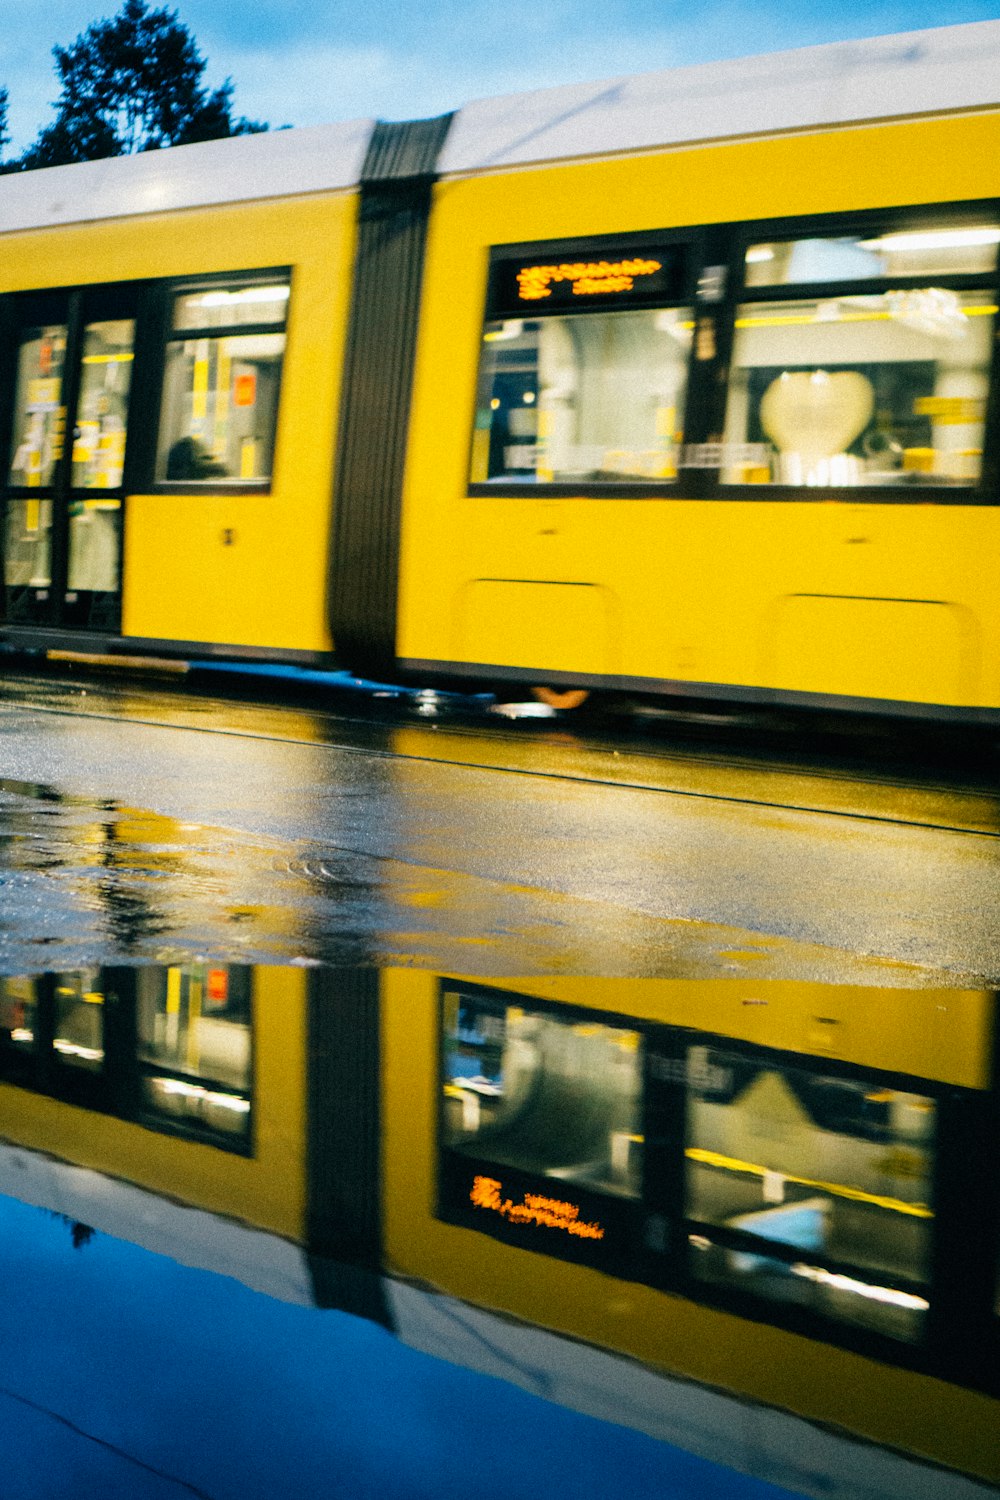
(707, 756)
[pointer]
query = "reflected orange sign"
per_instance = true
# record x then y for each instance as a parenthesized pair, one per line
(550, 1213)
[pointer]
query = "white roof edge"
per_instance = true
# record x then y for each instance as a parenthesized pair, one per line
(910, 73)
(191, 1236)
(274, 164)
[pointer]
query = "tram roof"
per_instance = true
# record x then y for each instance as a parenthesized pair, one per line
(911, 73)
(904, 75)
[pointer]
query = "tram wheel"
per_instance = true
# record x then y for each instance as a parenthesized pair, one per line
(564, 698)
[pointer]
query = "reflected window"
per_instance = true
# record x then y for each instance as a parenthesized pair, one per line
(221, 382)
(583, 372)
(833, 1174)
(78, 1039)
(18, 1015)
(195, 1047)
(546, 1094)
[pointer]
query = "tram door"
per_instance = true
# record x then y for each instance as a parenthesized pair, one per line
(68, 369)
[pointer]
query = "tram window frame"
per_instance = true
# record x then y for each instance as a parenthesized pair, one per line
(168, 293)
(653, 1246)
(76, 308)
(617, 1249)
(715, 287)
(114, 1086)
(735, 1241)
(689, 243)
(867, 223)
(238, 1143)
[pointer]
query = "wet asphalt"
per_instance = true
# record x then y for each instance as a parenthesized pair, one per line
(140, 822)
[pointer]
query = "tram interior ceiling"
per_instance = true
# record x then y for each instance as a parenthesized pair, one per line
(659, 411)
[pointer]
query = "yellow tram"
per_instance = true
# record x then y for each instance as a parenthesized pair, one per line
(778, 1189)
(682, 384)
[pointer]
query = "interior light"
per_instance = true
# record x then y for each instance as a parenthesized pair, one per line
(22, 1034)
(759, 253)
(934, 239)
(843, 1283)
(210, 1096)
(245, 294)
(73, 1049)
(528, 398)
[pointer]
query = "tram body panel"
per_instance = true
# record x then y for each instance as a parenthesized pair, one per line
(670, 589)
(251, 571)
(240, 569)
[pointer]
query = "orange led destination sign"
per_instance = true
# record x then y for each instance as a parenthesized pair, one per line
(549, 1213)
(616, 279)
(589, 278)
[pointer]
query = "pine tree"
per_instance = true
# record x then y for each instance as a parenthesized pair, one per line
(132, 83)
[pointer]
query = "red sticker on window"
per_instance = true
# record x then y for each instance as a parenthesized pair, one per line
(218, 986)
(245, 390)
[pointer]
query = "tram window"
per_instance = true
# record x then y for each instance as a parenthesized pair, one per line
(28, 544)
(79, 1020)
(195, 1047)
(39, 415)
(221, 383)
(836, 1169)
(544, 1094)
(588, 398)
(102, 406)
(227, 307)
(958, 250)
(886, 388)
(18, 1015)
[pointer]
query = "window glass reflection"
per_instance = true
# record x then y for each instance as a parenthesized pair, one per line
(225, 307)
(28, 544)
(830, 1167)
(887, 389)
(39, 415)
(849, 1299)
(195, 1046)
(220, 402)
(543, 1093)
(956, 250)
(102, 407)
(586, 398)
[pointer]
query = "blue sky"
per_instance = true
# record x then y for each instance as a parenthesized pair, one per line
(301, 64)
(119, 1367)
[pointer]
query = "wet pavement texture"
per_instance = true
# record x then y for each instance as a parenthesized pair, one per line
(150, 824)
